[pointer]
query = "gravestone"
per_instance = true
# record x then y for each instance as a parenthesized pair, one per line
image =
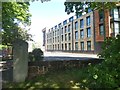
(20, 61)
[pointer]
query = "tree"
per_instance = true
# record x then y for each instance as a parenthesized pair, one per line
(15, 15)
(84, 6)
(106, 74)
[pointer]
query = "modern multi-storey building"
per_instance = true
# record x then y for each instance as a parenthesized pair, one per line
(84, 33)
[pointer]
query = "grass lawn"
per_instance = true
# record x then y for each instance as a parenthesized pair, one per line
(56, 79)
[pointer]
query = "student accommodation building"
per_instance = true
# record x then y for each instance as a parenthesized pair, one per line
(84, 33)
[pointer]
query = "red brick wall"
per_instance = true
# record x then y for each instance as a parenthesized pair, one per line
(98, 37)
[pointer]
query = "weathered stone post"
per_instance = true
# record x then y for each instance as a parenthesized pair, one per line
(20, 61)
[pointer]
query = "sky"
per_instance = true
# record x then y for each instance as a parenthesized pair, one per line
(47, 14)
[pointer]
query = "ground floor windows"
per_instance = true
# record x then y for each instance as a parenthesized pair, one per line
(69, 46)
(88, 45)
(76, 45)
(82, 46)
(65, 46)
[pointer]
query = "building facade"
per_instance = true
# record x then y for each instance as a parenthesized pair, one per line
(84, 33)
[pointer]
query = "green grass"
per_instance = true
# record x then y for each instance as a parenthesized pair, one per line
(56, 79)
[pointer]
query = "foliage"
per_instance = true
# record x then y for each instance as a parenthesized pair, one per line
(14, 16)
(106, 74)
(81, 7)
(36, 54)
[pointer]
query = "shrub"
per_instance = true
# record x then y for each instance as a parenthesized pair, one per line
(36, 54)
(106, 74)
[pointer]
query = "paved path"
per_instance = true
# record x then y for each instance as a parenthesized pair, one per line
(68, 56)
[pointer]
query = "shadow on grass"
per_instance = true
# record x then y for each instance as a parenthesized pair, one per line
(56, 79)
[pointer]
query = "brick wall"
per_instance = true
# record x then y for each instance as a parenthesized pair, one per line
(98, 37)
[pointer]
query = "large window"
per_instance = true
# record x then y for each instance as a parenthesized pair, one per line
(62, 47)
(65, 37)
(101, 29)
(62, 31)
(116, 28)
(76, 35)
(69, 36)
(76, 25)
(82, 33)
(88, 32)
(76, 45)
(58, 38)
(82, 45)
(62, 37)
(71, 19)
(69, 28)
(65, 29)
(58, 46)
(88, 45)
(69, 46)
(65, 46)
(81, 23)
(53, 40)
(101, 13)
(88, 21)
(64, 22)
(116, 15)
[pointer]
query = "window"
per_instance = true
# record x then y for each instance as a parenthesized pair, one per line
(65, 29)
(88, 21)
(81, 33)
(53, 47)
(58, 38)
(62, 47)
(58, 46)
(53, 40)
(53, 33)
(69, 36)
(116, 15)
(76, 45)
(116, 28)
(64, 22)
(71, 19)
(81, 23)
(82, 45)
(65, 37)
(76, 35)
(62, 37)
(76, 25)
(62, 30)
(65, 46)
(101, 29)
(101, 13)
(88, 45)
(56, 27)
(59, 25)
(69, 46)
(69, 28)
(88, 32)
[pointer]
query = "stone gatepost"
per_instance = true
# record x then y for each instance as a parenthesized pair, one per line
(20, 61)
